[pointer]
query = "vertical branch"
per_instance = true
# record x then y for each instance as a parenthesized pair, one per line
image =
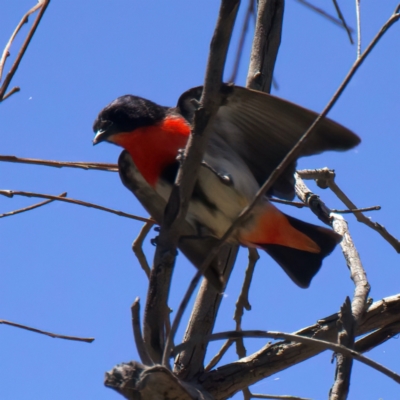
(340, 388)
(267, 39)
(358, 28)
(160, 278)
(190, 362)
(351, 313)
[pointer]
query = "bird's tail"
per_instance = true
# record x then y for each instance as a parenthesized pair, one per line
(297, 246)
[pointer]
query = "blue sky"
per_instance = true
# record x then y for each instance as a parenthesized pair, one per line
(70, 270)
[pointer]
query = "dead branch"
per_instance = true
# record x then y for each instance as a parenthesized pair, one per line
(272, 358)
(358, 28)
(137, 334)
(239, 51)
(243, 303)
(276, 397)
(42, 5)
(321, 344)
(346, 324)
(267, 38)
(12, 193)
(350, 314)
(190, 362)
(60, 164)
(181, 192)
(325, 178)
(138, 250)
(53, 335)
(32, 207)
(336, 21)
(217, 358)
(134, 381)
(341, 17)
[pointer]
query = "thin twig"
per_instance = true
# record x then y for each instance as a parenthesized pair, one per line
(243, 303)
(298, 204)
(137, 334)
(300, 339)
(358, 13)
(341, 17)
(337, 21)
(138, 250)
(325, 178)
(11, 193)
(32, 207)
(60, 164)
(239, 51)
(276, 397)
(53, 335)
(6, 51)
(42, 4)
(217, 358)
(356, 210)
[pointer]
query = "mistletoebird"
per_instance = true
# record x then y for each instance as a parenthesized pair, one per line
(251, 134)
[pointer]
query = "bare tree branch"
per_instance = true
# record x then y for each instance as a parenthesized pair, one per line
(346, 323)
(321, 344)
(267, 38)
(276, 397)
(190, 362)
(341, 17)
(350, 313)
(325, 178)
(239, 51)
(32, 207)
(53, 335)
(339, 22)
(12, 193)
(272, 358)
(138, 250)
(217, 358)
(358, 28)
(181, 192)
(60, 164)
(137, 333)
(42, 5)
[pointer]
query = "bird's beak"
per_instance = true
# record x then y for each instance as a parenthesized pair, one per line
(101, 136)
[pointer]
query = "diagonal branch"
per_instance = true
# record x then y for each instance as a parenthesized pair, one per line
(52, 335)
(32, 207)
(273, 358)
(318, 343)
(60, 164)
(341, 17)
(42, 5)
(12, 193)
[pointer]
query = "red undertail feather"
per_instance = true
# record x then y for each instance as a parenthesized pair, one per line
(297, 246)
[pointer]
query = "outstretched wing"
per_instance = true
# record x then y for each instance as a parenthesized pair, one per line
(262, 129)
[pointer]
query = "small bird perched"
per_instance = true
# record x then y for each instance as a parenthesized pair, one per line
(251, 134)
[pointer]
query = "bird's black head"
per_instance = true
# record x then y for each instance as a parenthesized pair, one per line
(125, 114)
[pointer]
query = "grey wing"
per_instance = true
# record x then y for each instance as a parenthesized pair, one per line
(262, 129)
